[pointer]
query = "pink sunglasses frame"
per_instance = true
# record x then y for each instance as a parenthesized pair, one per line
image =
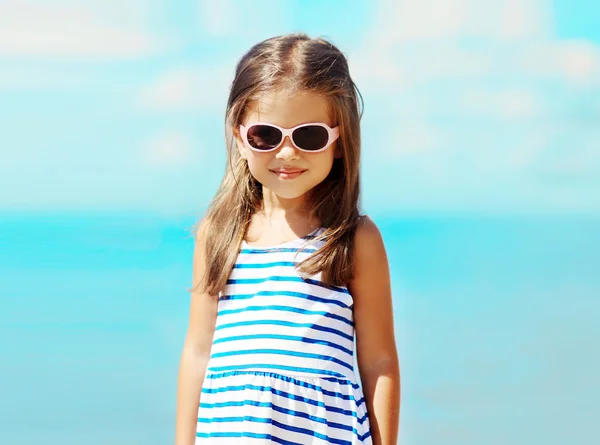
(333, 134)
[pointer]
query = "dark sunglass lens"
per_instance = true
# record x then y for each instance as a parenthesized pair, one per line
(263, 137)
(311, 137)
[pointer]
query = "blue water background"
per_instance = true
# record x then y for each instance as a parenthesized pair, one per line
(496, 324)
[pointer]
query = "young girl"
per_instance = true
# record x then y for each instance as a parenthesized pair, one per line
(288, 271)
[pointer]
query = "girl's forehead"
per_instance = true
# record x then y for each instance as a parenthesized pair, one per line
(288, 109)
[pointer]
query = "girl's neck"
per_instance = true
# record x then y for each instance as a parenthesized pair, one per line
(272, 213)
(297, 221)
(274, 206)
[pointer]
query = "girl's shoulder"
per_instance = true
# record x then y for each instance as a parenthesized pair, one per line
(369, 260)
(367, 235)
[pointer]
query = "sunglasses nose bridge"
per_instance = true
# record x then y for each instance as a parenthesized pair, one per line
(287, 148)
(286, 141)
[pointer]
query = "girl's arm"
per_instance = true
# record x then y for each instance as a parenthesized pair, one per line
(377, 356)
(196, 351)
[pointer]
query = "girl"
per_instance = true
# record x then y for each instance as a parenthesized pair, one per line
(288, 271)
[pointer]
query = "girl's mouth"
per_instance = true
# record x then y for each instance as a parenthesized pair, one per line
(288, 174)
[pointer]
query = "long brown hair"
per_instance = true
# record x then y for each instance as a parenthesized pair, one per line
(292, 62)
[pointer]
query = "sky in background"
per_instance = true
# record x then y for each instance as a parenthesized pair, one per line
(470, 106)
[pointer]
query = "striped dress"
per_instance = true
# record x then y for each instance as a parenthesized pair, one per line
(281, 368)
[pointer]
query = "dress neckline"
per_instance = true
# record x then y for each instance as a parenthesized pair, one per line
(275, 246)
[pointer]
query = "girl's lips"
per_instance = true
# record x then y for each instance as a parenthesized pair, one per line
(288, 174)
(288, 171)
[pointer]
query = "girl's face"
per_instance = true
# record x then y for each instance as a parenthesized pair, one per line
(281, 109)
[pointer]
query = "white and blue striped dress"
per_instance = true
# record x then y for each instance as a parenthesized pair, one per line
(281, 368)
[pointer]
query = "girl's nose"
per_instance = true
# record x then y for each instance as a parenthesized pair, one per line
(287, 149)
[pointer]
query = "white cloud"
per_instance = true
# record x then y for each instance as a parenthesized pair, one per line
(242, 20)
(35, 77)
(505, 104)
(406, 20)
(521, 19)
(411, 43)
(188, 88)
(579, 62)
(416, 139)
(66, 29)
(490, 100)
(167, 149)
(218, 18)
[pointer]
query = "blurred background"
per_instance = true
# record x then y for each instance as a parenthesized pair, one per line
(480, 165)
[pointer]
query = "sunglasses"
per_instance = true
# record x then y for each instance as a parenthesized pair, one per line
(312, 137)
